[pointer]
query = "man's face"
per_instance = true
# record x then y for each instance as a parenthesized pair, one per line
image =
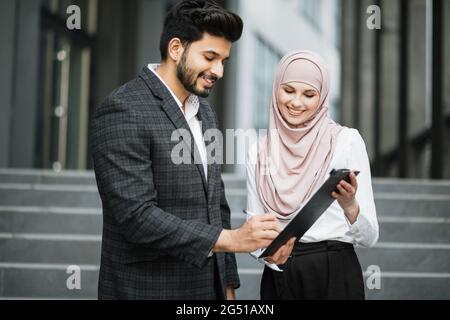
(202, 64)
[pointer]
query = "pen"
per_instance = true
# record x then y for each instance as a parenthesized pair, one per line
(249, 213)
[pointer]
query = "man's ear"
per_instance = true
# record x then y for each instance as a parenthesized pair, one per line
(175, 49)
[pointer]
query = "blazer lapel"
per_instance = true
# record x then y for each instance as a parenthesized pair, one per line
(173, 112)
(208, 123)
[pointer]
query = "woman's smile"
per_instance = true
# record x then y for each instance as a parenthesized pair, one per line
(297, 102)
(296, 112)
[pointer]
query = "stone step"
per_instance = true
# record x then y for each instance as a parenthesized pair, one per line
(383, 185)
(47, 281)
(82, 249)
(25, 176)
(398, 228)
(87, 196)
(88, 221)
(50, 248)
(407, 257)
(50, 220)
(386, 204)
(415, 286)
(233, 181)
(47, 195)
(414, 231)
(47, 177)
(50, 281)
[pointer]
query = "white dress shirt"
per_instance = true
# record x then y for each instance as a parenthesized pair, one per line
(350, 153)
(191, 107)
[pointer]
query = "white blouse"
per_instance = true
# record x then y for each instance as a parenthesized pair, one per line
(350, 153)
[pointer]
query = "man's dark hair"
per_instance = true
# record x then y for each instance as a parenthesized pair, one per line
(189, 19)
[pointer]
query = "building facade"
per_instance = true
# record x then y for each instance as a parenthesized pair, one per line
(392, 84)
(396, 84)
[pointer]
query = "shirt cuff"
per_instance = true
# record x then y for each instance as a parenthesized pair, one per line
(272, 266)
(355, 227)
(257, 253)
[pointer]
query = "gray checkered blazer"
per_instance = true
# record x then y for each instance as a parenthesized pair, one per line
(160, 220)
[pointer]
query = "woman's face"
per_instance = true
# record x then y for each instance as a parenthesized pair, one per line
(297, 102)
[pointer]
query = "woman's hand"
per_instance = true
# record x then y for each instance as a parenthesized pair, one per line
(346, 198)
(282, 254)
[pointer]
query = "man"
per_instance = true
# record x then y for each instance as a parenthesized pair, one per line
(166, 227)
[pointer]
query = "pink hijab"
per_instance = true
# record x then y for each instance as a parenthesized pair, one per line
(292, 163)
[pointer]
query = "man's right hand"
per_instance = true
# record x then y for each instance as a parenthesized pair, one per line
(257, 232)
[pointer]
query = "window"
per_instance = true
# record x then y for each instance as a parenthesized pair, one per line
(266, 62)
(65, 85)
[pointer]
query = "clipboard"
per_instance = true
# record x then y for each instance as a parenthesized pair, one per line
(309, 214)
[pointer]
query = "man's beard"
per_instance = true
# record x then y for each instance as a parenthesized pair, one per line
(188, 78)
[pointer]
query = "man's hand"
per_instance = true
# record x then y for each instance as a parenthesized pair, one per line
(230, 293)
(283, 253)
(257, 232)
(346, 198)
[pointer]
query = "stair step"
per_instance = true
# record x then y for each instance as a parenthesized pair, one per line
(49, 220)
(419, 287)
(27, 194)
(413, 205)
(50, 248)
(415, 232)
(386, 204)
(88, 221)
(47, 195)
(407, 257)
(82, 249)
(382, 185)
(46, 281)
(231, 181)
(47, 177)
(84, 196)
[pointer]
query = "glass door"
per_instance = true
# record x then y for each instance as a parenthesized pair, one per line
(65, 86)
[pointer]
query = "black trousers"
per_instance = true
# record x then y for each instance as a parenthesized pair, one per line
(316, 271)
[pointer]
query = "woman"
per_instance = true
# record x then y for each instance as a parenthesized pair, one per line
(285, 169)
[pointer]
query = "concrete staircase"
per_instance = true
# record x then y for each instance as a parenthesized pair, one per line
(50, 221)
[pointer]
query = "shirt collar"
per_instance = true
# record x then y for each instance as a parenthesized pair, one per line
(192, 103)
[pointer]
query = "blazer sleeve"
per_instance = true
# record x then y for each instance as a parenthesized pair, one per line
(123, 169)
(232, 277)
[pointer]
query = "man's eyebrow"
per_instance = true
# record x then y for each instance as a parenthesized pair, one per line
(215, 54)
